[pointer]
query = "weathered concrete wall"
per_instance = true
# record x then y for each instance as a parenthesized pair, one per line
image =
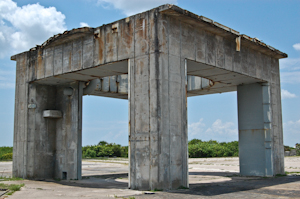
(39, 141)
(69, 133)
(203, 46)
(157, 100)
(34, 136)
(20, 124)
(277, 131)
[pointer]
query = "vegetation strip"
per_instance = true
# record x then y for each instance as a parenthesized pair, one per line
(197, 149)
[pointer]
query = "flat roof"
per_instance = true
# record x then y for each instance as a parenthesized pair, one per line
(182, 15)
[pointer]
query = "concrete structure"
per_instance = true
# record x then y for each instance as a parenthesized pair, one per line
(155, 59)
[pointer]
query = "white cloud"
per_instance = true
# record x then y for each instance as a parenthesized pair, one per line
(110, 131)
(290, 70)
(7, 79)
(196, 128)
(221, 131)
(290, 77)
(24, 27)
(286, 94)
(7, 85)
(296, 46)
(291, 132)
(222, 128)
(291, 64)
(83, 24)
(131, 7)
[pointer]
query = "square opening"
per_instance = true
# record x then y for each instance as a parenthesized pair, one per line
(64, 175)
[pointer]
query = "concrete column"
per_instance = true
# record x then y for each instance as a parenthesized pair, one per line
(256, 135)
(34, 145)
(157, 123)
(45, 146)
(34, 135)
(69, 132)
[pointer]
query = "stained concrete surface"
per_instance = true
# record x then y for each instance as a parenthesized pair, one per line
(208, 177)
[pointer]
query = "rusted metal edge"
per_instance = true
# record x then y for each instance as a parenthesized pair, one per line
(203, 19)
(258, 42)
(78, 32)
(211, 22)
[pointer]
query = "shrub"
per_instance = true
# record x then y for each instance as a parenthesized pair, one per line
(212, 148)
(103, 149)
(288, 148)
(5, 150)
(195, 141)
(124, 151)
(102, 143)
(298, 149)
(8, 156)
(6, 153)
(90, 153)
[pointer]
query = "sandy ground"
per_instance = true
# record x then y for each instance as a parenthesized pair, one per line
(208, 177)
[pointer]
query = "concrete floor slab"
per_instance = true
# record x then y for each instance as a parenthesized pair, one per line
(208, 177)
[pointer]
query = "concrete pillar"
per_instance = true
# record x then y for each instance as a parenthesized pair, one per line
(157, 123)
(256, 133)
(46, 145)
(69, 132)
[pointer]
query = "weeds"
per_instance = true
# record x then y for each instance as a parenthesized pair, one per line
(10, 179)
(11, 187)
(280, 175)
(130, 197)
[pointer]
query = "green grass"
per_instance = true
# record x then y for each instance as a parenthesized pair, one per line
(280, 175)
(130, 197)
(291, 172)
(10, 179)
(11, 187)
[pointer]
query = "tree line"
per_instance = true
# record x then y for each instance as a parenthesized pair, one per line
(197, 149)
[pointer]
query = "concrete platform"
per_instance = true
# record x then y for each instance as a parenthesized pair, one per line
(208, 177)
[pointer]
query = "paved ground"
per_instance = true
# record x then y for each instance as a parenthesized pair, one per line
(209, 178)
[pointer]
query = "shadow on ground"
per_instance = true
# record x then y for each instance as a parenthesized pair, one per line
(97, 181)
(251, 186)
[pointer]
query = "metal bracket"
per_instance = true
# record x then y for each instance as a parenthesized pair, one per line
(238, 43)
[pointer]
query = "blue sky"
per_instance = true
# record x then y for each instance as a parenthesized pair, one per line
(25, 23)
